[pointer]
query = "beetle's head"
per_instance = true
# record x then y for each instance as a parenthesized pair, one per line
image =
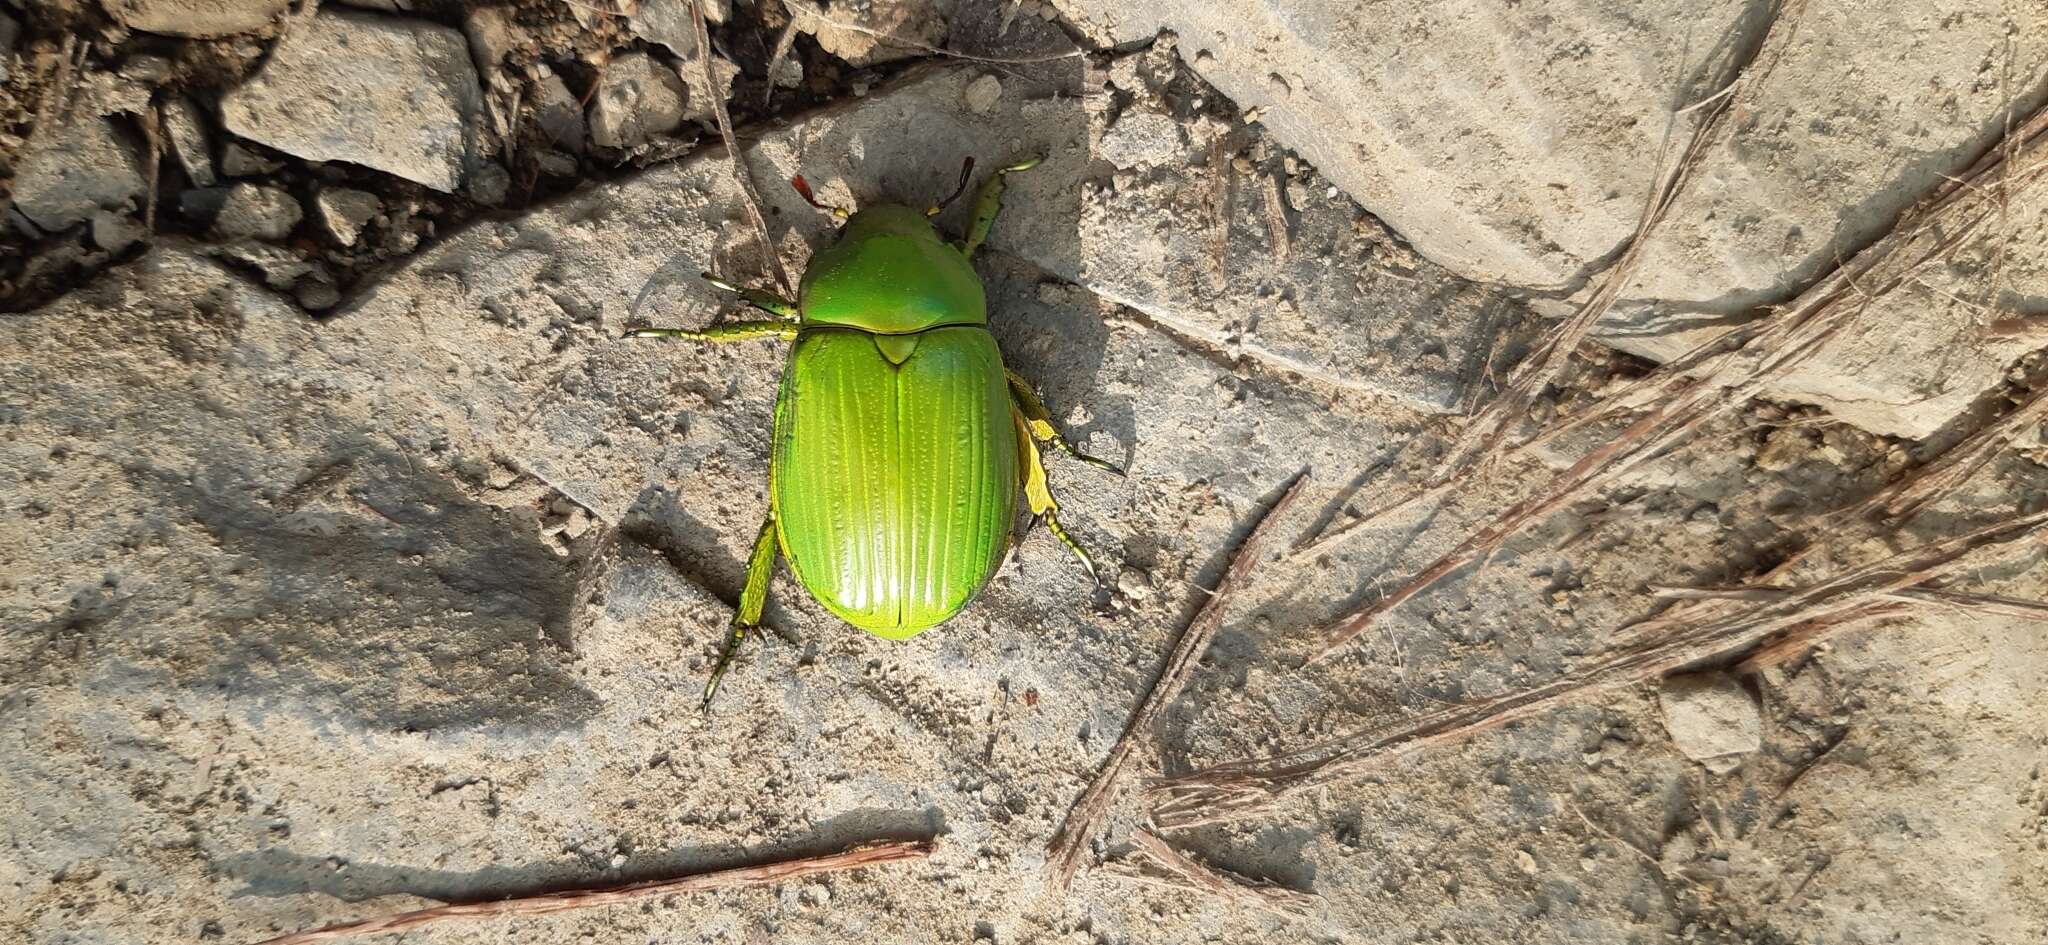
(888, 219)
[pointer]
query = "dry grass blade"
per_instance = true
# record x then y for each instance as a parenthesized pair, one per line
(1928, 233)
(765, 874)
(1992, 604)
(1186, 872)
(1239, 789)
(1063, 854)
(740, 172)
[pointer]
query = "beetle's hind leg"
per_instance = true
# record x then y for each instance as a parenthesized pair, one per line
(730, 331)
(753, 597)
(986, 204)
(1038, 421)
(1039, 494)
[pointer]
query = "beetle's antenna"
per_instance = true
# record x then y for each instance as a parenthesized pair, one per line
(803, 189)
(966, 173)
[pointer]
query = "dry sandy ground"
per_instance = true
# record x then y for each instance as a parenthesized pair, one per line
(315, 616)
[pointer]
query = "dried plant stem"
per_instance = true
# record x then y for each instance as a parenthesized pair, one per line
(740, 172)
(1063, 854)
(1186, 872)
(1681, 404)
(1239, 789)
(766, 874)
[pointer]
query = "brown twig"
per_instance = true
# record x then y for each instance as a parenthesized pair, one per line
(1186, 872)
(1063, 854)
(152, 137)
(1238, 789)
(783, 44)
(740, 172)
(765, 874)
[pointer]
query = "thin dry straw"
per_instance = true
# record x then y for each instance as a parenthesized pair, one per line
(741, 877)
(1186, 872)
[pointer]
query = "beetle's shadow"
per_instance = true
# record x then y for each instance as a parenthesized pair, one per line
(1057, 341)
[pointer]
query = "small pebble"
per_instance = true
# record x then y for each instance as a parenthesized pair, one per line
(256, 211)
(982, 93)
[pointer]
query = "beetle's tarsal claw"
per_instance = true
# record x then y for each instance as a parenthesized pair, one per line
(1026, 164)
(726, 654)
(1104, 465)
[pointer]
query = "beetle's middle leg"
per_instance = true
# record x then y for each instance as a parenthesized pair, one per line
(1038, 420)
(1039, 495)
(753, 597)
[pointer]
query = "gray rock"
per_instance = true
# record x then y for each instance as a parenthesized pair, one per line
(343, 212)
(317, 293)
(859, 32)
(637, 97)
(1140, 139)
(114, 231)
(254, 211)
(490, 184)
(698, 107)
(200, 19)
(396, 95)
(185, 130)
(200, 205)
(559, 114)
(493, 36)
(982, 93)
(76, 166)
(281, 267)
(670, 23)
(1711, 718)
(238, 161)
(1506, 143)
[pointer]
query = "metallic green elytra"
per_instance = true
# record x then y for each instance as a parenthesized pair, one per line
(901, 441)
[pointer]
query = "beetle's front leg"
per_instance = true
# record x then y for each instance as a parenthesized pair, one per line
(753, 597)
(1038, 420)
(730, 331)
(986, 204)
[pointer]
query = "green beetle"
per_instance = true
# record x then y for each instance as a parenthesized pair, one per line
(901, 441)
